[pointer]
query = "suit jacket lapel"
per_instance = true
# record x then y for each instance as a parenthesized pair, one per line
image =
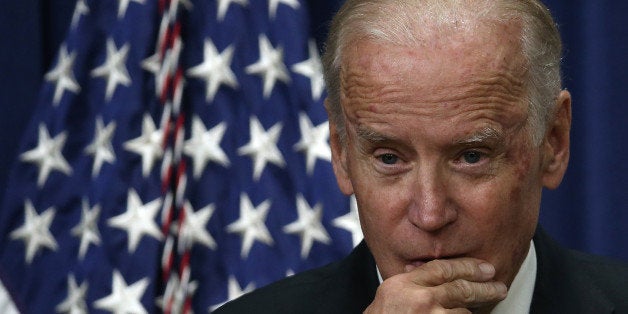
(561, 287)
(355, 286)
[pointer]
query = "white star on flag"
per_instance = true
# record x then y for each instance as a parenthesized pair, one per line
(114, 68)
(308, 226)
(123, 298)
(351, 222)
(47, 155)
(123, 5)
(273, 4)
(62, 75)
(314, 141)
(270, 65)
(35, 232)
(204, 145)
(74, 303)
(251, 225)
(223, 6)
(152, 64)
(234, 291)
(193, 229)
(87, 228)
(312, 69)
(139, 219)
(215, 69)
(79, 10)
(101, 147)
(148, 145)
(263, 147)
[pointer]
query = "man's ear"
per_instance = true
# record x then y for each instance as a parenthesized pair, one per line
(556, 143)
(339, 156)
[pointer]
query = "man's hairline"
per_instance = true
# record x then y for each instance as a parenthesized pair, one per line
(536, 126)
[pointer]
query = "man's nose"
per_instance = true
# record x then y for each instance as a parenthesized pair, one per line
(431, 208)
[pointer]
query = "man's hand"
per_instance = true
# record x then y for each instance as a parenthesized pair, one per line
(439, 286)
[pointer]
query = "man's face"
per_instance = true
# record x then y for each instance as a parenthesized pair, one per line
(438, 153)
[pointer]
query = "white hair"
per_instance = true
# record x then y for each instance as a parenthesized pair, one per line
(405, 22)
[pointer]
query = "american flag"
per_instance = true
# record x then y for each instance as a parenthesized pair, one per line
(178, 158)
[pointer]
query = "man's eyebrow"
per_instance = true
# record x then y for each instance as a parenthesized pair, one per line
(487, 134)
(371, 135)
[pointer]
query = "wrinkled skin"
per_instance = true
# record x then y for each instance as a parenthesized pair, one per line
(439, 156)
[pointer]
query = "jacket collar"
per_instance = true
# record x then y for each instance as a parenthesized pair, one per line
(561, 285)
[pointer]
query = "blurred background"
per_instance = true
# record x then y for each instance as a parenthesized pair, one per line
(588, 212)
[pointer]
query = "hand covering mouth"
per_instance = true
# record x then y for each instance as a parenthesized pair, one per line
(423, 260)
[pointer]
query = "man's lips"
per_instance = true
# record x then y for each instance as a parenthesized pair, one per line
(423, 260)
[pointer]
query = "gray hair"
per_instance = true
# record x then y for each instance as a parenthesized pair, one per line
(402, 22)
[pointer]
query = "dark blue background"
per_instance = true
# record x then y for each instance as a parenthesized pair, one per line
(588, 212)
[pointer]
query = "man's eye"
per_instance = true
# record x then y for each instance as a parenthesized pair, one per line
(472, 157)
(389, 159)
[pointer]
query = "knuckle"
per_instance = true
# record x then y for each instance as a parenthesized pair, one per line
(424, 300)
(395, 294)
(388, 287)
(468, 269)
(444, 271)
(425, 296)
(463, 290)
(392, 287)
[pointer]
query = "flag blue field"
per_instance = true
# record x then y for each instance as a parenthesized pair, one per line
(177, 158)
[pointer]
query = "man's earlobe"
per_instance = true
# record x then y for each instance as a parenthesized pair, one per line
(556, 145)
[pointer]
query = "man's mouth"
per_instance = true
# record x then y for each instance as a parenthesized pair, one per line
(424, 260)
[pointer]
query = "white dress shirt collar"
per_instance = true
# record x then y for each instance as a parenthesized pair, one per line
(521, 290)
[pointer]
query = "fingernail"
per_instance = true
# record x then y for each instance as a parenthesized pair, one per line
(487, 269)
(410, 268)
(502, 289)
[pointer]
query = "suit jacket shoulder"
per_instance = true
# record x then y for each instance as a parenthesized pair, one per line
(574, 282)
(347, 286)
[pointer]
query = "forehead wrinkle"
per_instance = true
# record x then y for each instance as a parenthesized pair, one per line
(369, 94)
(496, 89)
(507, 85)
(448, 114)
(363, 88)
(378, 80)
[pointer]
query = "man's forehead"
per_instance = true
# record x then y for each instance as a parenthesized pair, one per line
(376, 74)
(370, 57)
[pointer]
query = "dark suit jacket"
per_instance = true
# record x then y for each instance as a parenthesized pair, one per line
(567, 282)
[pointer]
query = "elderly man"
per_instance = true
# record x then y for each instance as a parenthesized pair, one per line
(447, 120)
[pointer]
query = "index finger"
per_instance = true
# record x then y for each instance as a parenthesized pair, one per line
(438, 272)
